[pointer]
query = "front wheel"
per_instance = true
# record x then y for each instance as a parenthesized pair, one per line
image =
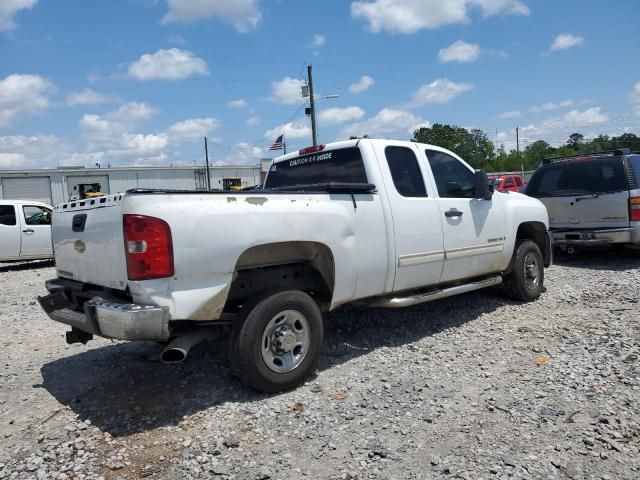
(526, 279)
(276, 344)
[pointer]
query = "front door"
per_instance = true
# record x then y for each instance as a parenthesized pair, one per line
(474, 229)
(416, 219)
(36, 231)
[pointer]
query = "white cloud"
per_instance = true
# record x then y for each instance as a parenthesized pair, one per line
(110, 135)
(586, 117)
(89, 97)
(252, 121)
(387, 122)
(33, 151)
(510, 114)
(410, 16)
(239, 103)
(460, 51)
(566, 40)
(9, 9)
(244, 15)
(291, 130)
(634, 98)
(23, 95)
(242, 154)
(361, 85)
(171, 64)
(556, 130)
(193, 129)
(337, 116)
(318, 41)
(287, 91)
(546, 107)
(439, 91)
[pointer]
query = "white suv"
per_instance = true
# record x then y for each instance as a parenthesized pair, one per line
(592, 199)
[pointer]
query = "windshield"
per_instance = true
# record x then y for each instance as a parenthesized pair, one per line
(579, 178)
(343, 165)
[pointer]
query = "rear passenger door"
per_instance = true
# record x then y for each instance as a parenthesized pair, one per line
(474, 229)
(9, 232)
(416, 218)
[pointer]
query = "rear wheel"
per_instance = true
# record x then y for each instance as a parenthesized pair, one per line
(525, 282)
(276, 344)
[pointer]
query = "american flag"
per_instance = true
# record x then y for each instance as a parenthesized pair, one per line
(277, 145)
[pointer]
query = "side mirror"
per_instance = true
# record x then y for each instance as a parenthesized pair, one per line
(482, 188)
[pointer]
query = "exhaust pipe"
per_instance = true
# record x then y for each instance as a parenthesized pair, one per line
(179, 347)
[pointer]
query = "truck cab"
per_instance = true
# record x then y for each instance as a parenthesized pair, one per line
(25, 230)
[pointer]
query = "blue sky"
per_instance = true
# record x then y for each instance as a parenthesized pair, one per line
(140, 82)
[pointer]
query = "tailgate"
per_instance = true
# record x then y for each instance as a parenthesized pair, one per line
(88, 241)
(604, 210)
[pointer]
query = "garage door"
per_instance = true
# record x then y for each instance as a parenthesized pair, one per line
(31, 188)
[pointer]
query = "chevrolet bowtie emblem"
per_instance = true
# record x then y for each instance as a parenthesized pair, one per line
(80, 246)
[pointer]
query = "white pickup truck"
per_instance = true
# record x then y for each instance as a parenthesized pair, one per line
(25, 230)
(385, 223)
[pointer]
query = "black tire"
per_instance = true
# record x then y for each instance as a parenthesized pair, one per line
(520, 283)
(246, 350)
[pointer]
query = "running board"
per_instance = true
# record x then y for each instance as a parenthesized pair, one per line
(399, 302)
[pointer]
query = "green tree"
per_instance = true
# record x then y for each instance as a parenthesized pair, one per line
(472, 145)
(576, 140)
(535, 153)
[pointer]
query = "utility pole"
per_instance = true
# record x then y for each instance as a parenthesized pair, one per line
(312, 104)
(206, 156)
(518, 151)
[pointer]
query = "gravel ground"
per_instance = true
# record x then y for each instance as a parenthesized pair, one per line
(473, 387)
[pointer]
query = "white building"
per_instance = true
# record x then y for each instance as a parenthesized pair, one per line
(59, 185)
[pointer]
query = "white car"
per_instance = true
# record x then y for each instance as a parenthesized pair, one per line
(25, 230)
(386, 223)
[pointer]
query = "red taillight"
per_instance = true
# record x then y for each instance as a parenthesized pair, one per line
(634, 209)
(148, 247)
(308, 150)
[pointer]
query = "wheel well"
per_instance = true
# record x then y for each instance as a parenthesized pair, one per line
(535, 231)
(305, 266)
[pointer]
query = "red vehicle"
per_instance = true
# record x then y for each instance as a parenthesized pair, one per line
(506, 183)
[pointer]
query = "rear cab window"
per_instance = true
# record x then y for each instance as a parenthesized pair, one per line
(405, 171)
(579, 176)
(343, 165)
(7, 215)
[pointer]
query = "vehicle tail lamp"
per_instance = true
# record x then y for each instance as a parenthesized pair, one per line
(148, 247)
(634, 209)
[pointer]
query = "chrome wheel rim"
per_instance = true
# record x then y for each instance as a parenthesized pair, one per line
(285, 341)
(531, 271)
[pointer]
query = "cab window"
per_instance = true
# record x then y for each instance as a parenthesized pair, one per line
(7, 215)
(508, 182)
(36, 215)
(405, 172)
(453, 179)
(518, 181)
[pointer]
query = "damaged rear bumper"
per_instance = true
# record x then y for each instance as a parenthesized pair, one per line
(106, 317)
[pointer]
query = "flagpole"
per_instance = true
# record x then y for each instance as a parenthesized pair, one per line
(284, 146)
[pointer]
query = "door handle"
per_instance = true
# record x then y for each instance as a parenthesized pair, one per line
(453, 213)
(28, 230)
